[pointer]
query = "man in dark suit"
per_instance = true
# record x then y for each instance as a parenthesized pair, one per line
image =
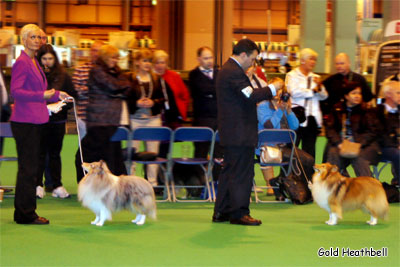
(202, 88)
(237, 124)
(389, 136)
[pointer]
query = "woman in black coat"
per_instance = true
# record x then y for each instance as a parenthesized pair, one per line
(106, 111)
(352, 120)
(54, 130)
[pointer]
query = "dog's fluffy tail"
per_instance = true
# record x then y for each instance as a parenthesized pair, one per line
(379, 205)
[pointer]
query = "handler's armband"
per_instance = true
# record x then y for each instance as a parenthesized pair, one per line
(247, 91)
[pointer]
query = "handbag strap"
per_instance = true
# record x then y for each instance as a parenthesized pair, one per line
(344, 126)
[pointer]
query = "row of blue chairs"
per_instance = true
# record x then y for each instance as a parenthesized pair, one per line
(166, 135)
(194, 134)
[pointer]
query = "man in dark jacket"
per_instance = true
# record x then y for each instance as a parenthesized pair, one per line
(237, 124)
(336, 83)
(202, 88)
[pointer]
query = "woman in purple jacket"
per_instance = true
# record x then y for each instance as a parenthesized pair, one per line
(28, 89)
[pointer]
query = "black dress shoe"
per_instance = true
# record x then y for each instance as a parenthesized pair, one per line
(220, 217)
(40, 220)
(246, 220)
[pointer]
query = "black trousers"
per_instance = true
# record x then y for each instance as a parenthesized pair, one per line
(53, 137)
(308, 137)
(235, 182)
(96, 145)
(27, 138)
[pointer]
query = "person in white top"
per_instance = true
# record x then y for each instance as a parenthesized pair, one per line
(306, 90)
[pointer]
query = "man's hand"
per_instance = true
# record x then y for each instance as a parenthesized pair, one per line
(49, 93)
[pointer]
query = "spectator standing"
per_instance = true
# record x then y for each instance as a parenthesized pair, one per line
(54, 130)
(106, 111)
(306, 91)
(202, 87)
(336, 83)
(80, 79)
(146, 103)
(175, 93)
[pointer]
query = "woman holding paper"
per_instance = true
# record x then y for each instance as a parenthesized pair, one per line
(30, 94)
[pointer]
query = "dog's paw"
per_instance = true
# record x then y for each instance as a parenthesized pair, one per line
(330, 223)
(93, 222)
(372, 223)
(99, 224)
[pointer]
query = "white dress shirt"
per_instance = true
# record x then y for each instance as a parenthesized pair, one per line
(296, 83)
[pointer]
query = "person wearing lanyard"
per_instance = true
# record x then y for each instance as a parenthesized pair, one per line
(146, 101)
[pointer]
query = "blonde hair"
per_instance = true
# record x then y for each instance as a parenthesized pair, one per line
(160, 54)
(143, 54)
(28, 28)
(306, 53)
(107, 51)
(387, 86)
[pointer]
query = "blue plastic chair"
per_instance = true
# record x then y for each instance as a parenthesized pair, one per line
(5, 131)
(123, 134)
(274, 137)
(194, 134)
(160, 134)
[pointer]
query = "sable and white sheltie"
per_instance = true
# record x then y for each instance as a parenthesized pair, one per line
(336, 193)
(103, 193)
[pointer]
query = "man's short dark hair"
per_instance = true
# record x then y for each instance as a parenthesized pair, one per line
(245, 45)
(201, 49)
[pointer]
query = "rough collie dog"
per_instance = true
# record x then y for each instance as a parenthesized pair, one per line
(103, 193)
(336, 193)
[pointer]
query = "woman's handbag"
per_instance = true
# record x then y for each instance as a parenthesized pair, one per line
(270, 154)
(349, 150)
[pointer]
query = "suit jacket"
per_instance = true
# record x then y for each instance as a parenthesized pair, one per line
(237, 113)
(389, 129)
(203, 93)
(28, 84)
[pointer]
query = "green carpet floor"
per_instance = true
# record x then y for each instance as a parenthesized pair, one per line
(183, 235)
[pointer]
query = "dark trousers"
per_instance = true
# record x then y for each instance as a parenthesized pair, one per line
(235, 182)
(27, 138)
(53, 137)
(96, 146)
(393, 154)
(308, 137)
(360, 164)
